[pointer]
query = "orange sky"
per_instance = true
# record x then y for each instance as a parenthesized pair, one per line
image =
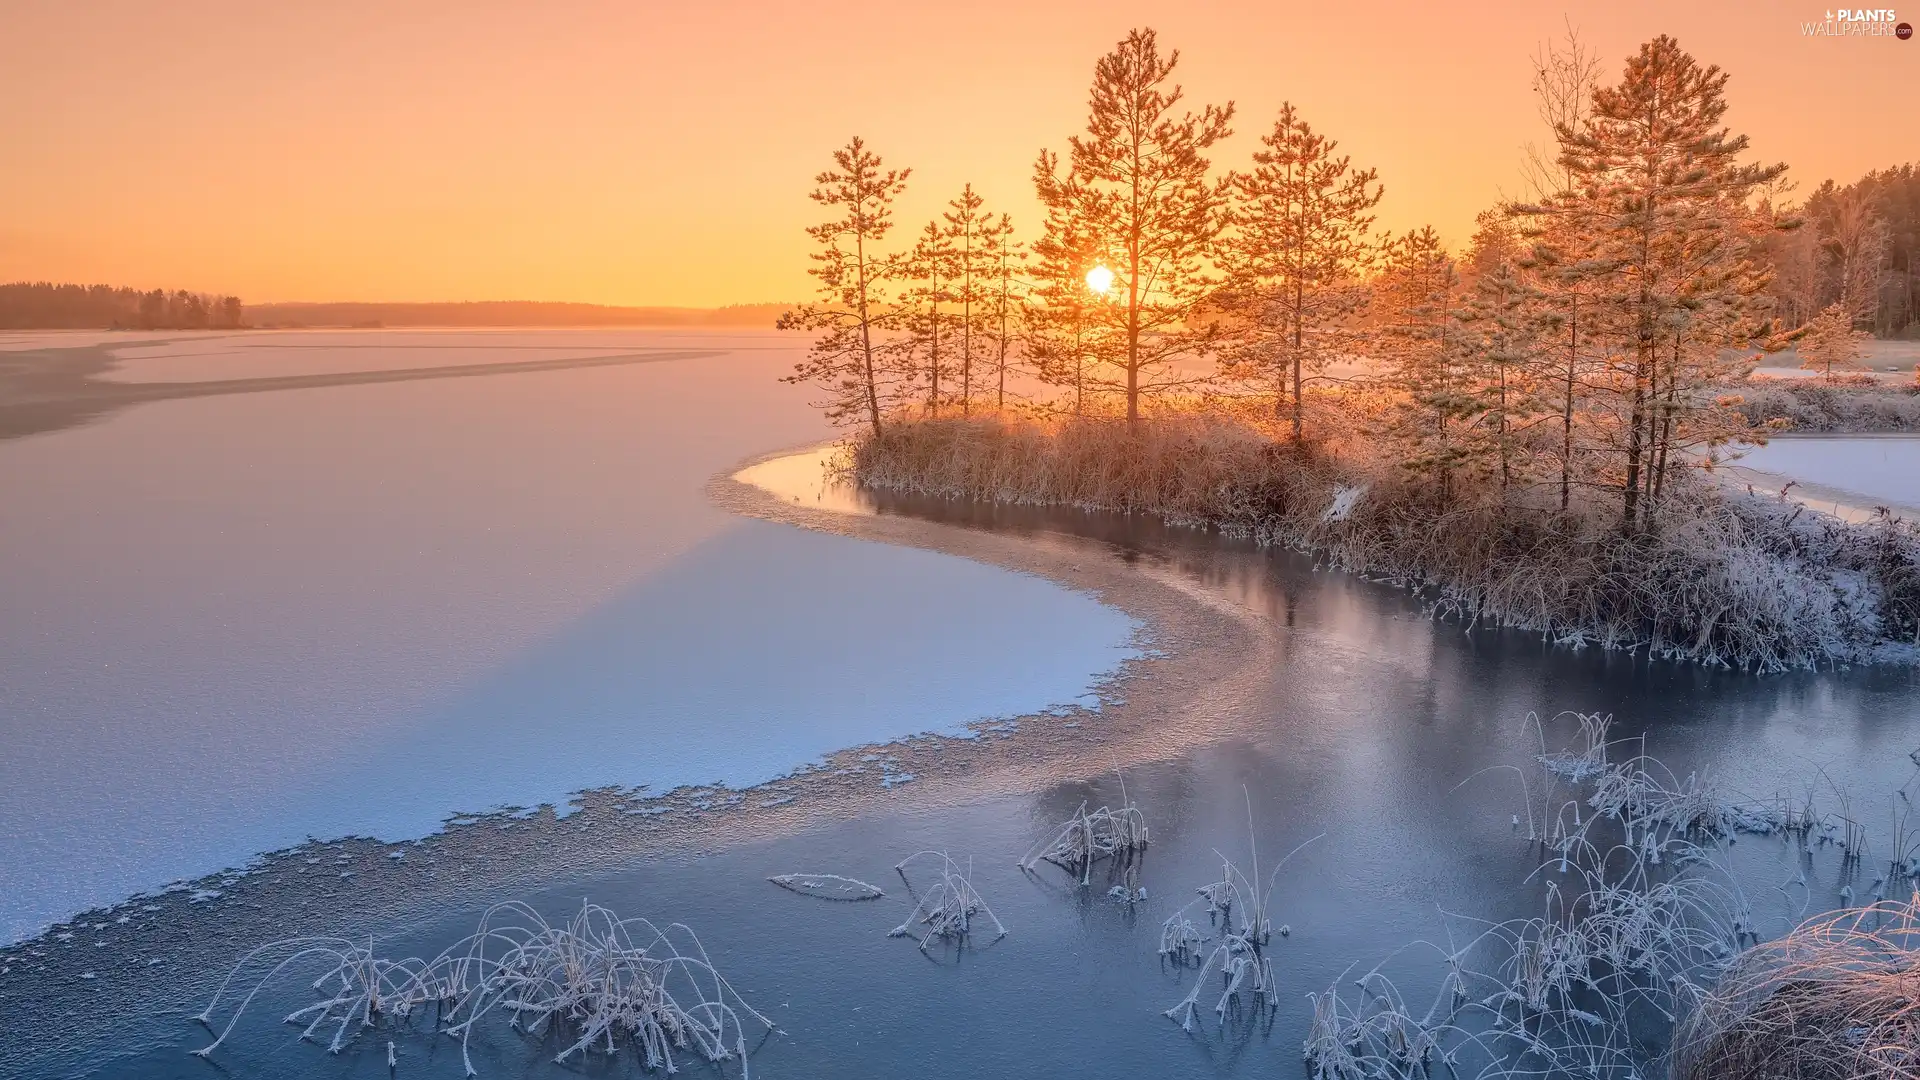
(638, 152)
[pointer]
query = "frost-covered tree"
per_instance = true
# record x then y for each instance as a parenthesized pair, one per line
(1565, 75)
(970, 238)
(1500, 327)
(1070, 331)
(1138, 181)
(1424, 362)
(1294, 258)
(848, 360)
(1004, 312)
(1831, 344)
(929, 268)
(1857, 240)
(1659, 200)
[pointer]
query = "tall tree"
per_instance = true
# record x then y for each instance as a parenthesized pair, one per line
(970, 237)
(1423, 361)
(847, 360)
(1295, 256)
(1005, 300)
(1070, 332)
(930, 269)
(1857, 241)
(1140, 175)
(1499, 324)
(1660, 191)
(1565, 75)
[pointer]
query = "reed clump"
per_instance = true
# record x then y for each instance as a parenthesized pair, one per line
(1838, 998)
(597, 980)
(948, 909)
(1716, 577)
(1090, 836)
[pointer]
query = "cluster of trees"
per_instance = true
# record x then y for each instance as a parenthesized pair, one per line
(1585, 340)
(1856, 250)
(42, 305)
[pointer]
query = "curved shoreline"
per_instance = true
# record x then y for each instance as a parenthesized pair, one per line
(1202, 656)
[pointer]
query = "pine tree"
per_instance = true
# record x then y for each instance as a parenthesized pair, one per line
(1070, 333)
(972, 261)
(1659, 195)
(1299, 245)
(848, 360)
(930, 268)
(1565, 75)
(1005, 300)
(1499, 326)
(1423, 361)
(1139, 177)
(1832, 344)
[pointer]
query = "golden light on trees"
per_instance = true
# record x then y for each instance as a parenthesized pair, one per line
(1100, 280)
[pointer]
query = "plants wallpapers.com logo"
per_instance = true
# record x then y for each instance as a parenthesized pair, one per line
(1858, 22)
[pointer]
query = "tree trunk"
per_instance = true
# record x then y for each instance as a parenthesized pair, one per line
(866, 330)
(1630, 513)
(1299, 302)
(1566, 409)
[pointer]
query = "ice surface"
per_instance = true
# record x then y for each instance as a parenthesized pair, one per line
(235, 622)
(1881, 469)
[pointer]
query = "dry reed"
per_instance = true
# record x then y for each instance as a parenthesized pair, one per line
(1836, 999)
(596, 979)
(1718, 578)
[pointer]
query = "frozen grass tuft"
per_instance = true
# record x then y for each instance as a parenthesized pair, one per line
(948, 909)
(1239, 906)
(1836, 999)
(597, 980)
(1092, 835)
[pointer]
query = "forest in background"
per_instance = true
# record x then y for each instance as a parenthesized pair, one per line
(42, 305)
(49, 306)
(505, 313)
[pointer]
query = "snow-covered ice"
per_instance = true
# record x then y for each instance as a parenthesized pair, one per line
(1878, 469)
(237, 622)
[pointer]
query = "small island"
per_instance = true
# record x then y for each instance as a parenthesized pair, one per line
(1533, 431)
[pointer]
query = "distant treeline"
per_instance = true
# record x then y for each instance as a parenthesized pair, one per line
(42, 305)
(1858, 247)
(510, 313)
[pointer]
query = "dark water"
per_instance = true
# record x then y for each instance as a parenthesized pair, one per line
(1368, 724)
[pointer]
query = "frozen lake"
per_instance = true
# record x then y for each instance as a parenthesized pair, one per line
(1857, 471)
(1389, 744)
(357, 608)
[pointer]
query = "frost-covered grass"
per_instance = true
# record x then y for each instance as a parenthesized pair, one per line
(597, 980)
(1719, 578)
(1853, 404)
(1837, 998)
(1091, 836)
(1645, 956)
(1239, 907)
(948, 908)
